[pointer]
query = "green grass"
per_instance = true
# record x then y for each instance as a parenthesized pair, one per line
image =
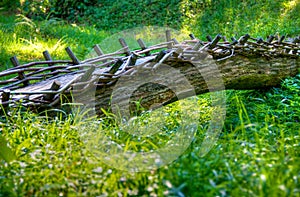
(236, 18)
(257, 154)
(27, 39)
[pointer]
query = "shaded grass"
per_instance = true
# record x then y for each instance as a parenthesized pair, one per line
(236, 18)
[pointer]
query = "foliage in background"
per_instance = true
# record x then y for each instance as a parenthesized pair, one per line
(202, 17)
(9, 5)
(40, 26)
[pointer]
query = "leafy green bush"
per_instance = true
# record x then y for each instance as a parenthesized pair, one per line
(202, 17)
(66, 9)
(9, 4)
(35, 9)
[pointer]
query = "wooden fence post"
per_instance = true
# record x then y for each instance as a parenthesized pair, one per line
(192, 36)
(168, 36)
(215, 41)
(99, 51)
(14, 60)
(5, 98)
(55, 86)
(72, 56)
(124, 45)
(143, 46)
(244, 39)
(209, 38)
(48, 57)
(197, 46)
(175, 41)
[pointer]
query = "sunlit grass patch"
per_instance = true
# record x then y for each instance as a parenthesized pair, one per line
(27, 39)
(33, 49)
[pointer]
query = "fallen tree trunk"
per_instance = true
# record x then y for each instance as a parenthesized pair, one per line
(178, 79)
(151, 78)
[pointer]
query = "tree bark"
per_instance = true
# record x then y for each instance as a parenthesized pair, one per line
(177, 79)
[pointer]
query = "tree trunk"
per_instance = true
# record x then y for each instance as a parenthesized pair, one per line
(177, 79)
(129, 81)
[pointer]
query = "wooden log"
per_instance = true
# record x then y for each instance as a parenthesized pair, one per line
(242, 65)
(238, 72)
(21, 74)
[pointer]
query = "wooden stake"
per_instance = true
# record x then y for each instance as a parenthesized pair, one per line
(175, 40)
(281, 39)
(168, 36)
(244, 39)
(178, 51)
(160, 56)
(48, 57)
(124, 45)
(116, 66)
(88, 74)
(85, 78)
(197, 45)
(99, 51)
(215, 41)
(209, 38)
(55, 86)
(234, 41)
(143, 46)
(270, 39)
(192, 36)
(5, 99)
(72, 56)
(21, 75)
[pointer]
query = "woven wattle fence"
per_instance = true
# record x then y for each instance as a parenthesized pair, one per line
(244, 63)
